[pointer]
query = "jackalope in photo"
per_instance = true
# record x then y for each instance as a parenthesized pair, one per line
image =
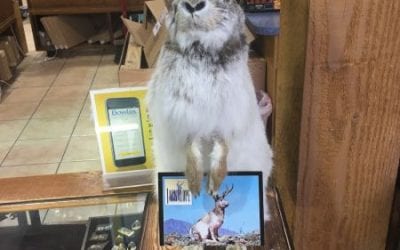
(207, 227)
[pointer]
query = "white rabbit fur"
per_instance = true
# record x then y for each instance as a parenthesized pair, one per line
(202, 87)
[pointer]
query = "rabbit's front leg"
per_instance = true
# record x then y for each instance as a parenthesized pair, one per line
(194, 165)
(218, 166)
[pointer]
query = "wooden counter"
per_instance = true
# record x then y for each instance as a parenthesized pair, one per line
(83, 189)
(61, 190)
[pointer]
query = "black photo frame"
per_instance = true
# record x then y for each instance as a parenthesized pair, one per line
(181, 214)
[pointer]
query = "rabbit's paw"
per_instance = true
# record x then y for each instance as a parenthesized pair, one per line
(218, 168)
(194, 171)
(215, 179)
(194, 178)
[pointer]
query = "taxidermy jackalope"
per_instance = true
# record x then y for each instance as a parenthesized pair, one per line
(201, 99)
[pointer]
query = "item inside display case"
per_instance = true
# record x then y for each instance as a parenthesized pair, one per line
(114, 232)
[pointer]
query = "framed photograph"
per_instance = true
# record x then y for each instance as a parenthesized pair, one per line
(233, 216)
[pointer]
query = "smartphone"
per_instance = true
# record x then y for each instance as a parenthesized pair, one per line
(126, 131)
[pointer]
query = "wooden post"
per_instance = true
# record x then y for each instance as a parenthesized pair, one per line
(19, 31)
(286, 93)
(350, 130)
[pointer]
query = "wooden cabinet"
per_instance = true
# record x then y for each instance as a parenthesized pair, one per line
(40, 8)
(6, 14)
(11, 22)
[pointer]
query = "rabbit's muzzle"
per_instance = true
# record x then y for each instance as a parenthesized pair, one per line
(193, 7)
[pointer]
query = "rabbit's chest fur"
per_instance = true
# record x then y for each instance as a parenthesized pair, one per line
(199, 93)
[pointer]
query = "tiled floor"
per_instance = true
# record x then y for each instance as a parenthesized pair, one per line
(46, 125)
(45, 121)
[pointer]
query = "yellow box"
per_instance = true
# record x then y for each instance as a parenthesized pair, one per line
(124, 136)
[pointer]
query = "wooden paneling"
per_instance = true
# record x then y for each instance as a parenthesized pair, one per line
(286, 94)
(393, 241)
(6, 14)
(11, 23)
(19, 28)
(350, 130)
(6, 10)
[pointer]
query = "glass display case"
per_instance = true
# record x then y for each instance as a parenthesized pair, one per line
(74, 211)
(111, 225)
(70, 211)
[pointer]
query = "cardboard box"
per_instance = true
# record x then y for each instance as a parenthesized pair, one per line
(154, 11)
(134, 77)
(67, 31)
(152, 34)
(5, 72)
(137, 31)
(133, 55)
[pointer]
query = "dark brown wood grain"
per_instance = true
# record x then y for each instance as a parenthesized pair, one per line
(287, 100)
(19, 28)
(393, 240)
(6, 11)
(11, 22)
(350, 131)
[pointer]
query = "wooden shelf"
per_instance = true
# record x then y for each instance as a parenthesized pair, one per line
(40, 8)
(11, 22)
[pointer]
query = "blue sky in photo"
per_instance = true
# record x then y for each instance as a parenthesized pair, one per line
(242, 214)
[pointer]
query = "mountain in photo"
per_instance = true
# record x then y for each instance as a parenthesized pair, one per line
(172, 226)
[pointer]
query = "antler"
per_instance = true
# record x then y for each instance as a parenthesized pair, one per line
(227, 191)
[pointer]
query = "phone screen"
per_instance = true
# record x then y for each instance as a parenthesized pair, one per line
(126, 131)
